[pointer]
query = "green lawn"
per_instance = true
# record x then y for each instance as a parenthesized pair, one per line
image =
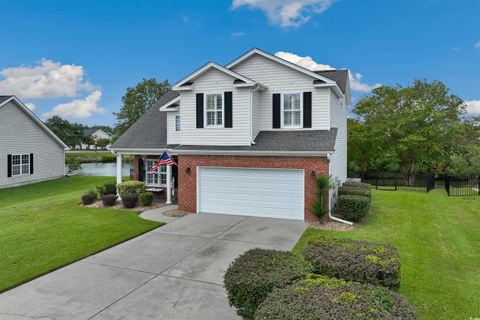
(42, 227)
(438, 239)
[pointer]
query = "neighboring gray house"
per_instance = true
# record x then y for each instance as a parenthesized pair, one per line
(96, 134)
(29, 151)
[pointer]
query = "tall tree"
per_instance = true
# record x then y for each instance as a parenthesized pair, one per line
(137, 100)
(70, 133)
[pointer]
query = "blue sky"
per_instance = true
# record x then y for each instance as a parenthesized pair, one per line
(76, 58)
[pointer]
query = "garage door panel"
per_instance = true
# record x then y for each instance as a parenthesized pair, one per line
(258, 192)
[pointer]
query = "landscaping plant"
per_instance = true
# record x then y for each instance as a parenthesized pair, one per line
(87, 199)
(352, 207)
(321, 297)
(109, 200)
(348, 190)
(145, 198)
(93, 193)
(107, 188)
(254, 274)
(130, 200)
(129, 187)
(357, 184)
(360, 261)
(323, 184)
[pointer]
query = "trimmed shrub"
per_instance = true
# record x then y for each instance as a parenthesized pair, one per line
(130, 200)
(352, 207)
(87, 199)
(128, 187)
(347, 190)
(145, 198)
(253, 275)
(357, 184)
(359, 261)
(93, 193)
(107, 188)
(320, 297)
(109, 200)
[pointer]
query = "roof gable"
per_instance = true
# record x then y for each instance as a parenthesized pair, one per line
(32, 116)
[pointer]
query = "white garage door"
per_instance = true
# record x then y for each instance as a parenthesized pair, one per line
(274, 193)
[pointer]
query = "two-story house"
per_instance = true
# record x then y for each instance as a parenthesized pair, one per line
(248, 137)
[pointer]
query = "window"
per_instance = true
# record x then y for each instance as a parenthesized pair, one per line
(292, 110)
(155, 178)
(177, 123)
(214, 110)
(20, 164)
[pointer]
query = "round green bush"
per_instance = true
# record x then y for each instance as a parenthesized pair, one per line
(320, 297)
(348, 190)
(357, 184)
(253, 275)
(130, 200)
(109, 200)
(145, 198)
(87, 199)
(353, 260)
(352, 207)
(107, 188)
(128, 187)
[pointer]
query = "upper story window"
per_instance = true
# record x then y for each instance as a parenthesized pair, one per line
(20, 164)
(292, 110)
(177, 123)
(214, 110)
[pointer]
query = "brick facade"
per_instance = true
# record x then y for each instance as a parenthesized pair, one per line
(187, 181)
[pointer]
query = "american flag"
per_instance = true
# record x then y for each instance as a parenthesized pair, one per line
(164, 159)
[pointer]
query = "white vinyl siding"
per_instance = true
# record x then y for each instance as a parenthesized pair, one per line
(173, 136)
(255, 114)
(214, 82)
(49, 157)
(279, 78)
(155, 178)
(274, 193)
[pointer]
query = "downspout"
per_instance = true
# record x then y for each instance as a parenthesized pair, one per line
(257, 87)
(330, 211)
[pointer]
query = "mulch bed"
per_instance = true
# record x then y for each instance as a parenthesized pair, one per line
(175, 213)
(119, 205)
(332, 225)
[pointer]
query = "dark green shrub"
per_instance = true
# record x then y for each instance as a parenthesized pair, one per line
(353, 260)
(145, 198)
(357, 185)
(109, 157)
(320, 297)
(130, 200)
(107, 188)
(347, 190)
(93, 193)
(353, 208)
(109, 200)
(128, 187)
(253, 275)
(87, 199)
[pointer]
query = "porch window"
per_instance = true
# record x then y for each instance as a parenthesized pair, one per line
(214, 110)
(292, 110)
(20, 164)
(155, 178)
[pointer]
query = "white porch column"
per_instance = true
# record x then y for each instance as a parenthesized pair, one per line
(119, 168)
(169, 185)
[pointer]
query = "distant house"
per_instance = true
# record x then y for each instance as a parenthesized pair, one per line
(96, 135)
(29, 151)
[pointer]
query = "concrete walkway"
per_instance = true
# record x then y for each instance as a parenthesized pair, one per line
(173, 272)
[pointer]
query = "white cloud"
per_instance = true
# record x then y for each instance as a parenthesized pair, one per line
(30, 106)
(78, 108)
(287, 13)
(473, 106)
(477, 45)
(238, 34)
(47, 79)
(307, 62)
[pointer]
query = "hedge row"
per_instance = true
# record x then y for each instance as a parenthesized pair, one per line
(359, 261)
(320, 297)
(355, 191)
(357, 184)
(353, 201)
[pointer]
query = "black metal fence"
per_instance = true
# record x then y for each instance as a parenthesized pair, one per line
(393, 181)
(462, 184)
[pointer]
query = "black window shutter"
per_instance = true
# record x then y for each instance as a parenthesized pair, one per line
(276, 110)
(307, 109)
(9, 165)
(31, 163)
(228, 109)
(199, 110)
(141, 170)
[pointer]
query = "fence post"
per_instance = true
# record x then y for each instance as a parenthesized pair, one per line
(478, 185)
(396, 176)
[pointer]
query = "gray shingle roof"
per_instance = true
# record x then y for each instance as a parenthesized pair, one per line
(339, 76)
(150, 131)
(89, 131)
(4, 98)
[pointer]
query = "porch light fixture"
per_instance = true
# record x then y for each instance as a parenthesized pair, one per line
(187, 170)
(313, 174)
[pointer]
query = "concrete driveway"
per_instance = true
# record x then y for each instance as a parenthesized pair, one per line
(173, 272)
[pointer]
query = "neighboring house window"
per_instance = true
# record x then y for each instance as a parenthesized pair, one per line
(292, 110)
(214, 110)
(177, 123)
(20, 164)
(155, 178)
